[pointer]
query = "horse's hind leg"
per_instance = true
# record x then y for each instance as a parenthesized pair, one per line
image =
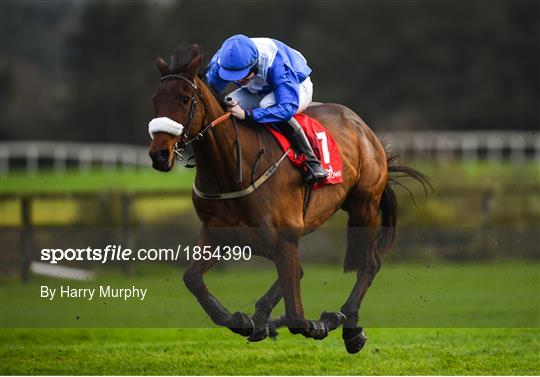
(362, 256)
(263, 308)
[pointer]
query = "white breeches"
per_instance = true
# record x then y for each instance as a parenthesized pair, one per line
(248, 100)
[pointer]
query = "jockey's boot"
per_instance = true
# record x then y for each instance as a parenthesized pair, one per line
(299, 141)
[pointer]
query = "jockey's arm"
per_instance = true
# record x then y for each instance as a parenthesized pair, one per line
(286, 90)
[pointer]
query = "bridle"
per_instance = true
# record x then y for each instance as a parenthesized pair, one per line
(185, 139)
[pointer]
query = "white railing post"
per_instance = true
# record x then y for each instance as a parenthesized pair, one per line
(108, 159)
(4, 160)
(517, 148)
(59, 159)
(469, 147)
(494, 145)
(537, 149)
(85, 159)
(32, 159)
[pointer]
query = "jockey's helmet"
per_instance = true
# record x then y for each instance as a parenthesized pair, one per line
(237, 56)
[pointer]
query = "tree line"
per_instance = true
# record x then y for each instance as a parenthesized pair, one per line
(85, 71)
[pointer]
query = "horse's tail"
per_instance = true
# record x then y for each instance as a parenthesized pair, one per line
(388, 206)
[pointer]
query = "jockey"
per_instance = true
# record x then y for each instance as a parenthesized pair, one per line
(274, 85)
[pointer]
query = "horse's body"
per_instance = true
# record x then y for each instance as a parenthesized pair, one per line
(272, 218)
(281, 207)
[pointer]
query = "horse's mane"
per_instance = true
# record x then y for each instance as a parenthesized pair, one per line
(182, 57)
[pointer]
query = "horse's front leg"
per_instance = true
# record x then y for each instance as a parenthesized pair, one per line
(237, 322)
(287, 260)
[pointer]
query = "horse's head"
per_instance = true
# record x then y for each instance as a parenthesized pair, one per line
(179, 109)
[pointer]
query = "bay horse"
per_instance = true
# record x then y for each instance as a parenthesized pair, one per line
(273, 217)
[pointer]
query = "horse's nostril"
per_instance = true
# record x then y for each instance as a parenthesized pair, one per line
(160, 156)
(164, 154)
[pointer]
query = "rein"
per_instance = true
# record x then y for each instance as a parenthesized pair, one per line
(181, 144)
(213, 123)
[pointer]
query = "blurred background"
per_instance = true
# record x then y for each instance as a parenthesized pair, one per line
(84, 70)
(453, 87)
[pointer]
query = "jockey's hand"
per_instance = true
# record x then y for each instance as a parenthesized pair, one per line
(237, 112)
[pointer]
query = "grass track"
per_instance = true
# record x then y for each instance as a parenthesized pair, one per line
(167, 351)
(473, 295)
(216, 351)
(403, 295)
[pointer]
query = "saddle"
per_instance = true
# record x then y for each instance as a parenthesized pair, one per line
(323, 144)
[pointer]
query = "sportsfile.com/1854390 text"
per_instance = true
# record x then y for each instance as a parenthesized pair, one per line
(116, 253)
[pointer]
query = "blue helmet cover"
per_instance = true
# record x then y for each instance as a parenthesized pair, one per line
(236, 57)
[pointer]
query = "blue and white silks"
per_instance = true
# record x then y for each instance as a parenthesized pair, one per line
(283, 76)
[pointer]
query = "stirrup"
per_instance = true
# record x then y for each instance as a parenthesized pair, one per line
(311, 177)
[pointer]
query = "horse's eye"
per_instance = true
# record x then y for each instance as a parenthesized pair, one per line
(185, 100)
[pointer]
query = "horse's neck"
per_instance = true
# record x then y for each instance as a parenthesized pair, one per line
(215, 152)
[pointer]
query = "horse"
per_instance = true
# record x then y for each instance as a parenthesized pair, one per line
(274, 216)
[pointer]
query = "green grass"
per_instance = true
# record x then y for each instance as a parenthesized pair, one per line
(93, 180)
(213, 351)
(480, 174)
(420, 319)
(437, 319)
(403, 295)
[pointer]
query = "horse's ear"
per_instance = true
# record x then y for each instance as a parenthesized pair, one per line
(195, 64)
(162, 66)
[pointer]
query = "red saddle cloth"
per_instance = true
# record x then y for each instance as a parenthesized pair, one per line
(324, 147)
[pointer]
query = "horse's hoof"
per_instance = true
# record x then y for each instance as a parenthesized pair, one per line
(317, 330)
(354, 339)
(259, 334)
(241, 323)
